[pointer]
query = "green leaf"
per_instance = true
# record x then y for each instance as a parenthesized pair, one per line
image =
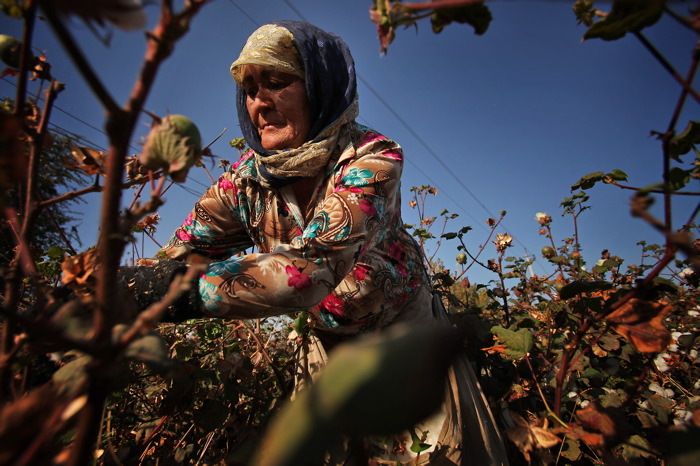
(636, 447)
(613, 399)
(55, 252)
(661, 406)
(617, 175)
(571, 451)
(448, 235)
(588, 181)
(580, 286)
(678, 178)
(626, 16)
(683, 143)
(151, 350)
(417, 445)
(72, 377)
(373, 386)
(517, 343)
(476, 15)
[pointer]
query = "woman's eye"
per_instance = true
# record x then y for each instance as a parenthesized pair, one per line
(250, 90)
(277, 84)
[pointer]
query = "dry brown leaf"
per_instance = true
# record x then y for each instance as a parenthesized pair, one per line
(641, 323)
(91, 161)
(593, 419)
(79, 269)
(528, 436)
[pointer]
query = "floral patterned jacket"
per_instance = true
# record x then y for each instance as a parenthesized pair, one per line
(348, 261)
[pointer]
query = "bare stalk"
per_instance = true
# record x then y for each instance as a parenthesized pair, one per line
(667, 66)
(29, 18)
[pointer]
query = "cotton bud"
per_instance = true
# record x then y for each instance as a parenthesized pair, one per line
(174, 145)
(461, 258)
(543, 219)
(10, 50)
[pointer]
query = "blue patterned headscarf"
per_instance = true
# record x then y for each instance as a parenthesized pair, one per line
(329, 76)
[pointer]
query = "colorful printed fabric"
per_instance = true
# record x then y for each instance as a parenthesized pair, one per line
(348, 259)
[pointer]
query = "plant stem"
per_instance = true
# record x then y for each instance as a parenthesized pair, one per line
(71, 46)
(539, 390)
(438, 4)
(29, 19)
(503, 289)
(667, 66)
(655, 191)
(564, 365)
(30, 206)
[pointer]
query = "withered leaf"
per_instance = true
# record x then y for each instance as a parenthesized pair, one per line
(528, 436)
(593, 419)
(89, 160)
(79, 269)
(641, 323)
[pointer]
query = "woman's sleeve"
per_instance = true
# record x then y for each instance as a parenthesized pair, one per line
(300, 275)
(213, 227)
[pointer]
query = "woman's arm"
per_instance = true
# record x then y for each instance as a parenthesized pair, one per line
(213, 228)
(300, 275)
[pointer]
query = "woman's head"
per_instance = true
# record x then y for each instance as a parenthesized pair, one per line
(278, 62)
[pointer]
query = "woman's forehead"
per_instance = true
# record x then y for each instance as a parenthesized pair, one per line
(256, 72)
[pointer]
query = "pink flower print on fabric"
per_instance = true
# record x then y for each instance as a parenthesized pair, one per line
(371, 136)
(334, 305)
(360, 272)
(392, 154)
(352, 189)
(188, 221)
(367, 207)
(183, 235)
(297, 278)
(396, 250)
(226, 185)
(243, 158)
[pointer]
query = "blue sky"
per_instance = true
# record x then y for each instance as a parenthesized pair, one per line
(518, 115)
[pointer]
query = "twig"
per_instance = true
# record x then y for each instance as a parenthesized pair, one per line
(25, 258)
(482, 247)
(565, 363)
(680, 19)
(266, 355)
(206, 447)
(71, 46)
(439, 4)
(120, 126)
(29, 19)
(539, 390)
(30, 207)
(152, 315)
(667, 66)
(655, 191)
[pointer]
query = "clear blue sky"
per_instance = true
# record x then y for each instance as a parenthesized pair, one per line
(518, 114)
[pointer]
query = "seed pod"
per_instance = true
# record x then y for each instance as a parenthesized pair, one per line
(461, 258)
(174, 145)
(548, 252)
(10, 50)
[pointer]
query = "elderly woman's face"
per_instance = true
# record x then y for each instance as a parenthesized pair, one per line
(277, 106)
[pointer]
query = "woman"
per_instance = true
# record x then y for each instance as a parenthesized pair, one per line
(319, 196)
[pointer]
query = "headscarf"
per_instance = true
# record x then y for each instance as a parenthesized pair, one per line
(331, 87)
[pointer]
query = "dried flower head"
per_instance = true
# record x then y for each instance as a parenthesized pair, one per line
(503, 241)
(543, 219)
